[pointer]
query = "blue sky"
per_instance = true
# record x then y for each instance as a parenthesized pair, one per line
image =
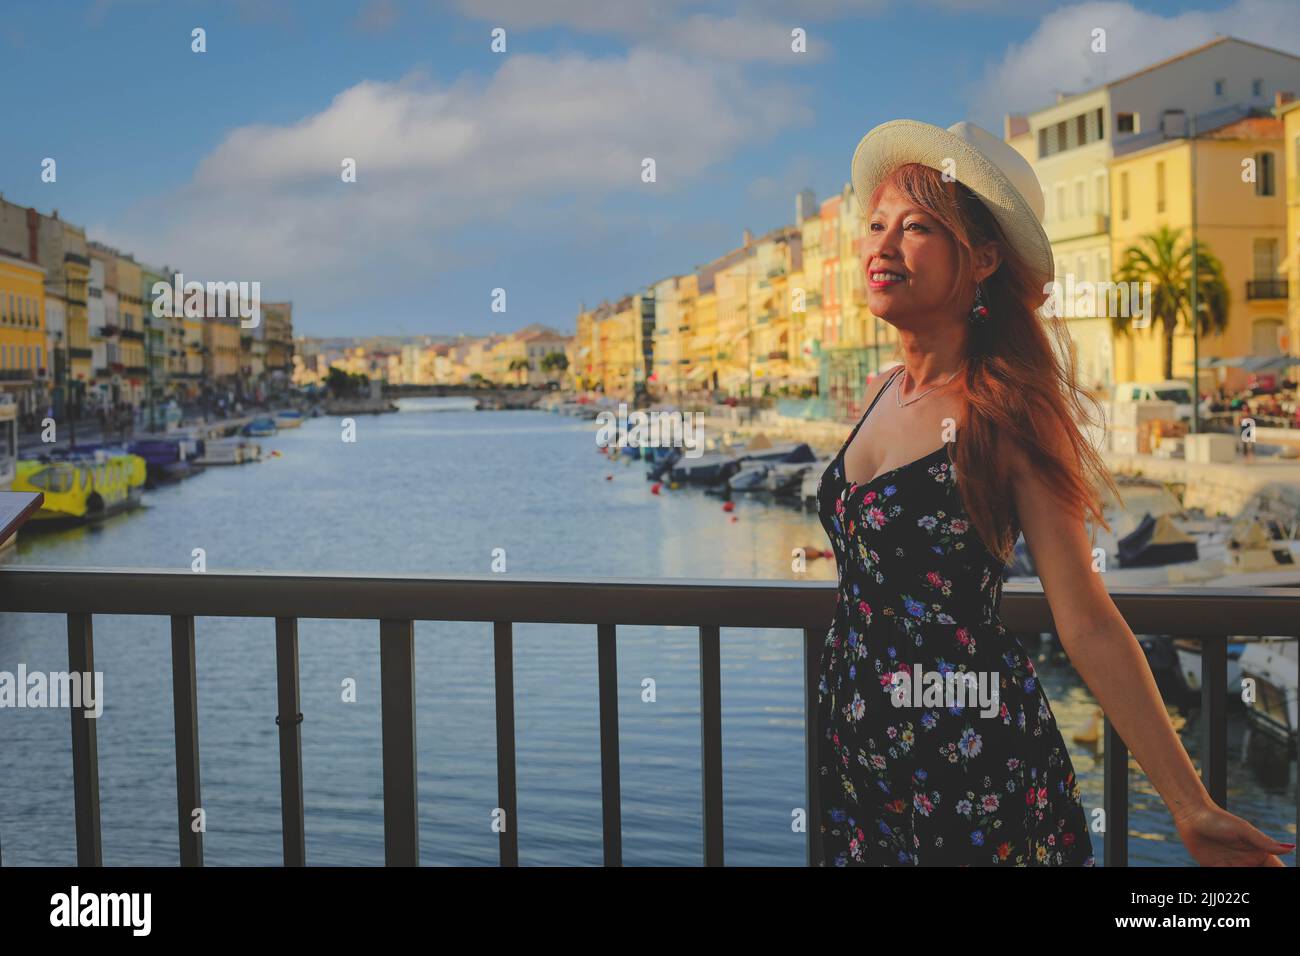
(519, 170)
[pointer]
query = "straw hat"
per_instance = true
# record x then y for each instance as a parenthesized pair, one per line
(989, 167)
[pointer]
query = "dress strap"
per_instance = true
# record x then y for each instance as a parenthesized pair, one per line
(853, 434)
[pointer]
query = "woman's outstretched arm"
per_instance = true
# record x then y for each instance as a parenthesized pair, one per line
(1108, 657)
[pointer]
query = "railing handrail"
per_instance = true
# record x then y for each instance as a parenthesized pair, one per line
(558, 599)
(397, 601)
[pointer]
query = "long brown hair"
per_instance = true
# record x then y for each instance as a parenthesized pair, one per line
(1020, 383)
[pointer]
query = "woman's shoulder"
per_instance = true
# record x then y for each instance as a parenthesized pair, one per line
(878, 384)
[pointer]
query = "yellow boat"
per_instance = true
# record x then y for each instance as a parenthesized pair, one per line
(80, 489)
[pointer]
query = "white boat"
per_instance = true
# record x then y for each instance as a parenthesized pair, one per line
(811, 480)
(1189, 662)
(1272, 665)
(787, 478)
(1252, 550)
(230, 451)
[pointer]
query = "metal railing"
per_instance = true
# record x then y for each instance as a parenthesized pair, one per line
(396, 602)
(1266, 288)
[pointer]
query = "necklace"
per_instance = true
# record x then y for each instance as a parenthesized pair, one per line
(898, 391)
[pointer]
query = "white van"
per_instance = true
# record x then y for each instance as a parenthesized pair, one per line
(1170, 390)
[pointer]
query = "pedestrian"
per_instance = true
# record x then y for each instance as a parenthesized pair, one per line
(956, 260)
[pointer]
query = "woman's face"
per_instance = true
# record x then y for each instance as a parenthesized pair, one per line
(910, 261)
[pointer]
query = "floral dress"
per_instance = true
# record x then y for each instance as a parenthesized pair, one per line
(917, 767)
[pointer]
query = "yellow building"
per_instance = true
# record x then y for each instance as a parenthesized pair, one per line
(1288, 111)
(1240, 221)
(24, 363)
(1073, 143)
(221, 350)
(63, 252)
(702, 344)
(620, 347)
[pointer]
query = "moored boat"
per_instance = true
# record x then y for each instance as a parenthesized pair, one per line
(228, 451)
(262, 427)
(288, 418)
(1271, 664)
(166, 459)
(82, 488)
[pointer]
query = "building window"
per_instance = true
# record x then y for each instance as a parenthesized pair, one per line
(1256, 87)
(1102, 204)
(1126, 122)
(1081, 128)
(1080, 199)
(1123, 195)
(1042, 142)
(1160, 187)
(1219, 86)
(1060, 201)
(1101, 123)
(1266, 258)
(1264, 181)
(1060, 136)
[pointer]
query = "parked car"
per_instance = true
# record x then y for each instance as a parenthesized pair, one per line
(1171, 390)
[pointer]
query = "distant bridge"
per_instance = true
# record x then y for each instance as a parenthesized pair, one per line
(492, 397)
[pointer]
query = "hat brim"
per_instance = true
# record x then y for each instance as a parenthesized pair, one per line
(900, 142)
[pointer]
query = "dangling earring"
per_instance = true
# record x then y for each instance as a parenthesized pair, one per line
(979, 311)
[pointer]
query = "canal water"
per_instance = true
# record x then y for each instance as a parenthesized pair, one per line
(437, 488)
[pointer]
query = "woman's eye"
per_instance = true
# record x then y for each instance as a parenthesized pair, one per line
(917, 225)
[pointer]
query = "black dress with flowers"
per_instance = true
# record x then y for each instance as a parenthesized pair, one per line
(908, 775)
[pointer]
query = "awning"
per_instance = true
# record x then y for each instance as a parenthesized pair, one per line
(1253, 363)
(1269, 363)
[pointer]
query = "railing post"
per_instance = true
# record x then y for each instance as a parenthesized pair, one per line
(1115, 797)
(812, 740)
(504, 664)
(1214, 718)
(397, 690)
(289, 719)
(610, 787)
(711, 742)
(186, 706)
(85, 746)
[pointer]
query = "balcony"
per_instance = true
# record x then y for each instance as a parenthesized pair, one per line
(78, 352)
(133, 334)
(395, 603)
(1266, 288)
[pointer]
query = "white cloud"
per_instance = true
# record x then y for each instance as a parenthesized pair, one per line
(1057, 55)
(268, 202)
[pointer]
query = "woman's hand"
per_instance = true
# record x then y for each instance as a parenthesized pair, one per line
(1214, 837)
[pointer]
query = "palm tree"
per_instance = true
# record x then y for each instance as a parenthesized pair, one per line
(1158, 258)
(521, 366)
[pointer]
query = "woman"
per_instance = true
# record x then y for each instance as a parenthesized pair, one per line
(973, 439)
